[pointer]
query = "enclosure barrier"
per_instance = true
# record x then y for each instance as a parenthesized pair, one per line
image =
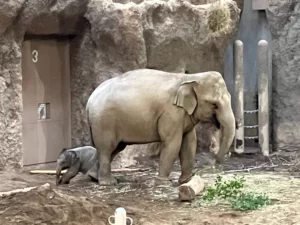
(120, 217)
(239, 96)
(263, 100)
(263, 97)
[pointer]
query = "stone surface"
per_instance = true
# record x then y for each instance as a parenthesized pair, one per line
(8, 12)
(65, 17)
(284, 18)
(171, 36)
(10, 101)
(109, 38)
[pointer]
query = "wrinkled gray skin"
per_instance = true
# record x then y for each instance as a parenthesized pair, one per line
(145, 106)
(79, 159)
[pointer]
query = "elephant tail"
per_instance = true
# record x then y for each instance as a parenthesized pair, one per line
(91, 132)
(92, 140)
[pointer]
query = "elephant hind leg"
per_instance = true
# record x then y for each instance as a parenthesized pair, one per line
(93, 172)
(105, 145)
(95, 169)
(105, 177)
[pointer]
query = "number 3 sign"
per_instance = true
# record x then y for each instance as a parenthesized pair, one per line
(35, 55)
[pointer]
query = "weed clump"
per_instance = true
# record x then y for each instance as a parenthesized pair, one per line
(249, 201)
(219, 18)
(231, 191)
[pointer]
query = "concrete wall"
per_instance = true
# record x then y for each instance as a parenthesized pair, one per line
(253, 27)
(284, 21)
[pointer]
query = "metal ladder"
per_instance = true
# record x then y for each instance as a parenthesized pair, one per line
(263, 98)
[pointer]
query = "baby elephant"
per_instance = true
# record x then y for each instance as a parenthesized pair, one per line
(79, 159)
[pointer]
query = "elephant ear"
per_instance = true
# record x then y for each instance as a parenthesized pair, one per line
(186, 97)
(73, 157)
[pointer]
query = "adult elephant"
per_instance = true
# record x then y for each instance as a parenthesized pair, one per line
(145, 105)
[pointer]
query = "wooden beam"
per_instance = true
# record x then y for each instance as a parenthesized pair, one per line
(53, 172)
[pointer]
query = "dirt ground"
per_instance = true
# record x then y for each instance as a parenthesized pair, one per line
(84, 202)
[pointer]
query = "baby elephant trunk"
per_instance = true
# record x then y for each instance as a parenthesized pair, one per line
(58, 173)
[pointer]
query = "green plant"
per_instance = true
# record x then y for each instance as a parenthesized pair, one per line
(224, 189)
(249, 201)
(232, 191)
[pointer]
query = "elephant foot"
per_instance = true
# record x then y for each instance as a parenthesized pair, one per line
(185, 179)
(107, 181)
(163, 182)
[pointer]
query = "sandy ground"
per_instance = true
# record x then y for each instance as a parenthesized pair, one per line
(84, 202)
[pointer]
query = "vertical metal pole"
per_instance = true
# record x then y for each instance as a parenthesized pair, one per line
(263, 97)
(239, 96)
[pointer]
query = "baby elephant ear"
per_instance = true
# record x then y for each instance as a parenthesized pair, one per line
(74, 157)
(186, 97)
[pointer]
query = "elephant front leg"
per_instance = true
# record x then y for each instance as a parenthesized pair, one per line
(187, 155)
(168, 155)
(70, 174)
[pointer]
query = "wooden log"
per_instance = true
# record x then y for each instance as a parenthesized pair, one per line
(23, 190)
(46, 172)
(53, 172)
(188, 191)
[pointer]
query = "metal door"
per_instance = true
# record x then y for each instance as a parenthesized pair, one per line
(46, 99)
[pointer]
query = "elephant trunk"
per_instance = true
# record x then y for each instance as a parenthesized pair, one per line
(58, 172)
(226, 119)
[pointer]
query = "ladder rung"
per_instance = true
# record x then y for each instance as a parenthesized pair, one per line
(251, 111)
(254, 137)
(250, 127)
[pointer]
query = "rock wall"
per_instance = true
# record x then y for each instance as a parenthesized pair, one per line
(167, 35)
(16, 18)
(284, 22)
(110, 38)
(10, 101)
